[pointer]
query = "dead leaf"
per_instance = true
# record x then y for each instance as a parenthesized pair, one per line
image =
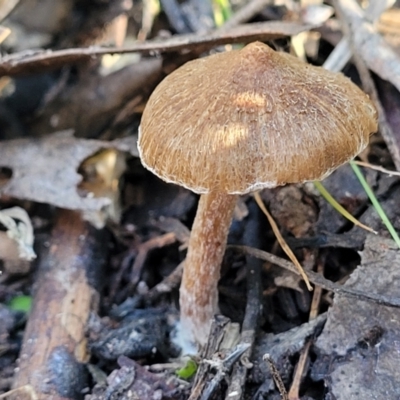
(6, 6)
(45, 169)
(132, 381)
(33, 23)
(281, 347)
(102, 173)
(372, 47)
(362, 338)
(291, 210)
(20, 231)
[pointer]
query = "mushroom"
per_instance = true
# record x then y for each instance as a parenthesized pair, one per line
(237, 122)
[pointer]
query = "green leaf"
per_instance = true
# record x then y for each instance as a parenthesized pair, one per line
(21, 303)
(187, 371)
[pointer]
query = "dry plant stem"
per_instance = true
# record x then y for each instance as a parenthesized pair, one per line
(282, 241)
(199, 288)
(300, 367)
(54, 345)
(376, 168)
(302, 363)
(319, 280)
(316, 299)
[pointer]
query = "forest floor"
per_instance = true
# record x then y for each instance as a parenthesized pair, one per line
(92, 244)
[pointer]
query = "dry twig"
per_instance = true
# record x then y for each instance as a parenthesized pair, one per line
(319, 280)
(40, 61)
(250, 324)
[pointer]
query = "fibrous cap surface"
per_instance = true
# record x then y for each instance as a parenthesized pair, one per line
(253, 118)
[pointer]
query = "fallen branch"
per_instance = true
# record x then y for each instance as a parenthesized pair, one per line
(54, 349)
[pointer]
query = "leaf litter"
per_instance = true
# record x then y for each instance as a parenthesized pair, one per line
(45, 169)
(359, 342)
(356, 353)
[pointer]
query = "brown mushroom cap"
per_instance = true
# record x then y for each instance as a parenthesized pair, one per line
(253, 118)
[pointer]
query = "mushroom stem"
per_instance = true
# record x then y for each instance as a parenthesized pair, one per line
(199, 288)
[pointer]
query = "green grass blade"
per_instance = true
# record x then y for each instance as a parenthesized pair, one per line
(340, 209)
(222, 11)
(375, 203)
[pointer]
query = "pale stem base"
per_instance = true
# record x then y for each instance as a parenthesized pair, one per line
(199, 288)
